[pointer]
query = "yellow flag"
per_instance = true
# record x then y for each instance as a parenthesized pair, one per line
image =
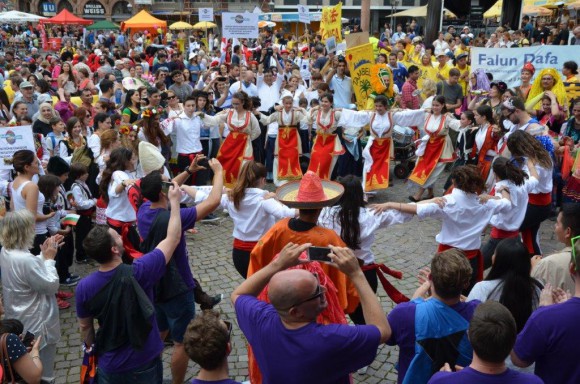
(331, 22)
(360, 60)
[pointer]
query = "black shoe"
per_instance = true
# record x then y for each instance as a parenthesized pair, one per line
(412, 198)
(84, 261)
(212, 303)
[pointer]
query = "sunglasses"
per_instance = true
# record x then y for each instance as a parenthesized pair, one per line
(573, 241)
(229, 327)
(171, 97)
(317, 294)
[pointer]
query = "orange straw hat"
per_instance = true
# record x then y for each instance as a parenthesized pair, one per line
(310, 192)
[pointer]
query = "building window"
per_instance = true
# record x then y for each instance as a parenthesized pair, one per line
(291, 2)
(356, 2)
(333, 2)
(314, 2)
(409, 3)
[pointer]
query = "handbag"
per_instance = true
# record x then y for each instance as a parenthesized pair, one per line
(89, 366)
(6, 365)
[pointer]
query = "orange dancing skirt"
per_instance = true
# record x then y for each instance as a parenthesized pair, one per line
(378, 176)
(322, 159)
(288, 149)
(234, 150)
(426, 164)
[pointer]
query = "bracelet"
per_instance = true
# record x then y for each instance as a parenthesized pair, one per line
(35, 357)
(188, 171)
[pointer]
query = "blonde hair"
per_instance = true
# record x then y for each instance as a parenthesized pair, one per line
(17, 230)
(429, 87)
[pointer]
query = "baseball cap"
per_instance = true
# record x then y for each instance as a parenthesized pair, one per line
(26, 84)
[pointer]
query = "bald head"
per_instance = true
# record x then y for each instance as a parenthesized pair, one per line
(289, 287)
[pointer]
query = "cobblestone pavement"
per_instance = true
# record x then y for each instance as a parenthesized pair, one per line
(405, 247)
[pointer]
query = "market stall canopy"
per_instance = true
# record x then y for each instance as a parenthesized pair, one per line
(574, 5)
(532, 10)
(19, 17)
(419, 12)
(65, 17)
(180, 25)
(204, 25)
(104, 24)
(495, 10)
(143, 21)
(264, 24)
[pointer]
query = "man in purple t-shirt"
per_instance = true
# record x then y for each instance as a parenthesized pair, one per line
(174, 302)
(492, 333)
(207, 342)
(551, 337)
(105, 246)
(449, 275)
(289, 345)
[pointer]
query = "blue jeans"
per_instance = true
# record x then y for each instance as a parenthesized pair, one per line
(150, 373)
(175, 315)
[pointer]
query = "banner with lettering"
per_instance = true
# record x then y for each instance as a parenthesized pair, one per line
(14, 139)
(331, 22)
(360, 60)
(506, 63)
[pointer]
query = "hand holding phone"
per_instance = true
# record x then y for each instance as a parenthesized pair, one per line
(165, 186)
(28, 339)
(319, 254)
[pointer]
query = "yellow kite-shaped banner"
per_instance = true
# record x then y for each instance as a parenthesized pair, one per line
(331, 22)
(360, 60)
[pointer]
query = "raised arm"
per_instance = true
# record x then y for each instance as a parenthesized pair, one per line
(174, 232)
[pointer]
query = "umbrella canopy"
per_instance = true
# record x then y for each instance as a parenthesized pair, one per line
(180, 25)
(104, 24)
(418, 12)
(532, 10)
(574, 5)
(19, 17)
(494, 11)
(65, 17)
(143, 21)
(204, 25)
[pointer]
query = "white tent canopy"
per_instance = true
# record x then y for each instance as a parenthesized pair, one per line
(19, 17)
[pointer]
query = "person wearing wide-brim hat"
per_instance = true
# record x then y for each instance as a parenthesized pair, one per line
(309, 196)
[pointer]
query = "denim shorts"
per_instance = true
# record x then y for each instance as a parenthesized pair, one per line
(150, 373)
(175, 315)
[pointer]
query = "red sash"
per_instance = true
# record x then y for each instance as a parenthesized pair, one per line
(497, 233)
(288, 154)
(426, 164)
(130, 249)
(393, 292)
(470, 254)
(540, 198)
(231, 156)
(242, 245)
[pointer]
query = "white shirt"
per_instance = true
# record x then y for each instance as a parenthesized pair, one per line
(545, 184)
(187, 132)
(94, 143)
(256, 215)
(119, 207)
(238, 86)
(82, 199)
(463, 218)
(512, 219)
(369, 224)
(342, 91)
(304, 65)
(269, 94)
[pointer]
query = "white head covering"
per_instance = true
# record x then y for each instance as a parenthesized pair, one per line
(150, 158)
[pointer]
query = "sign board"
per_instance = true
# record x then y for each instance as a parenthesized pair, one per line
(206, 14)
(360, 59)
(506, 64)
(331, 44)
(143, 2)
(14, 139)
(94, 8)
(331, 22)
(356, 39)
(240, 25)
(48, 9)
(303, 14)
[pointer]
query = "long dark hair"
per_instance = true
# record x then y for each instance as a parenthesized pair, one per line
(47, 184)
(506, 169)
(250, 175)
(117, 162)
(512, 267)
(441, 100)
(522, 144)
(487, 112)
(128, 100)
(350, 204)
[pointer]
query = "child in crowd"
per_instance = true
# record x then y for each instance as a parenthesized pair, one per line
(85, 204)
(53, 139)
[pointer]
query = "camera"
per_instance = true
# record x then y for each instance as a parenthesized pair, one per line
(49, 207)
(269, 51)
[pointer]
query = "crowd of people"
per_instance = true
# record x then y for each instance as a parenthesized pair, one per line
(143, 141)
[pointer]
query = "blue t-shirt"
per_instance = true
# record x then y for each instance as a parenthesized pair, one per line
(549, 339)
(402, 321)
(226, 381)
(314, 353)
(471, 376)
(145, 218)
(147, 270)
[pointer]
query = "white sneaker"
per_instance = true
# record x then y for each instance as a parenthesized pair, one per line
(363, 370)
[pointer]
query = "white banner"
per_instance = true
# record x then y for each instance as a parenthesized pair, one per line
(506, 63)
(240, 25)
(303, 14)
(206, 14)
(14, 139)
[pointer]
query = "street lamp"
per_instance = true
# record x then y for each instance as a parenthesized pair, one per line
(271, 5)
(394, 4)
(130, 8)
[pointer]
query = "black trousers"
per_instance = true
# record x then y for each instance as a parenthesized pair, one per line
(357, 316)
(64, 257)
(82, 229)
(241, 261)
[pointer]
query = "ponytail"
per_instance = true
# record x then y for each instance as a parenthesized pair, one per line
(506, 169)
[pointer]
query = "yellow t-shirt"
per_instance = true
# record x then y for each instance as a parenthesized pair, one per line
(463, 82)
(427, 72)
(444, 72)
(9, 92)
(572, 86)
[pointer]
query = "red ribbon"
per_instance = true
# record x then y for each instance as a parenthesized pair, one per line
(381, 270)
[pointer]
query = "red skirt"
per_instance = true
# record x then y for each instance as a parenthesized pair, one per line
(323, 153)
(289, 154)
(378, 176)
(426, 164)
(231, 155)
